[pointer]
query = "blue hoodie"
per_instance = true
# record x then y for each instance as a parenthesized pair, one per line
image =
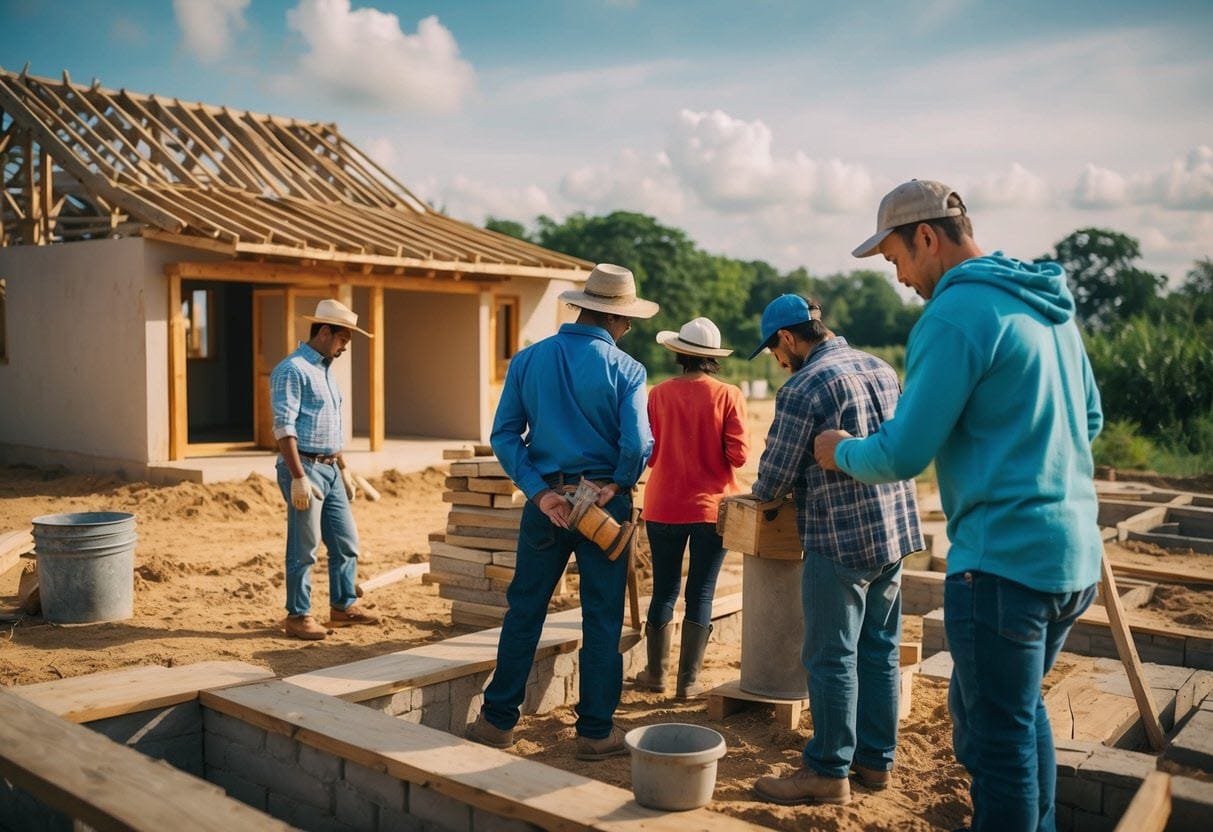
(999, 392)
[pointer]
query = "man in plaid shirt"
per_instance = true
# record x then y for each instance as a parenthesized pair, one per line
(854, 538)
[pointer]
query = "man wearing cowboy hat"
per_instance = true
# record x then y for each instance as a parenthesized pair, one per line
(312, 474)
(700, 440)
(854, 538)
(572, 407)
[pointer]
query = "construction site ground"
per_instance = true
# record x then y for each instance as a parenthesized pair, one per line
(209, 586)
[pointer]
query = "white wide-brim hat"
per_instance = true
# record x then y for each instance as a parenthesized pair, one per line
(611, 289)
(698, 337)
(336, 313)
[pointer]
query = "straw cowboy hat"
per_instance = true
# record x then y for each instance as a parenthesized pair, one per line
(699, 337)
(611, 289)
(336, 313)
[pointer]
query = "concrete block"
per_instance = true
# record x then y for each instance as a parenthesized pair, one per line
(464, 713)
(282, 747)
(1163, 650)
(483, 821)
(159, 724)
(236, 730)
(378, 787)
(184, 753)
(1117, 767)
(437, 716)
(391, 820)
(1116, 801)
(322, 765)
(302, 815)
(1071, 754)
(1192, 745)
(1080, 794)
(1191, 804)
(353, 809)
(1198, 653)
(214, 750)
(1090, 822)
(413, 717)
(1078, 642)
(1064, 817)
(430, 694)
(280, 778)
(545, 695)
(440, 810)
(238, 788)
(402, 702)
(378, 703)
(468, 686)
(937, 666)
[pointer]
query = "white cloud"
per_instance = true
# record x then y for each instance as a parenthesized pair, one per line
(207, 26)
(473, 201)
(632, 182)
(364, 55)
(1099, 188)
(1016, 187)
(382, 150)
(1187, 184)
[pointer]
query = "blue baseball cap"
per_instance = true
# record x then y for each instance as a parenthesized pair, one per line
(783, 312)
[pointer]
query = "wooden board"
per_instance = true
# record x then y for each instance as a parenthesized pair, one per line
(494, 781)
(457, 566)
(753, 530)
(12, 546)
(501, 518)
(488, 543)
(449, 579)
(1080, 710)
(467, 498)
(453, 592)
(1127, 649)
(457, 453)
(105, 784)
(500, 573)
(478, 467)
(1164, 576)
(456, 483)
(133, 689)
(729, 698)
(400, 573)
(509, 500)
(491, 485)
(447, 550)
(1151, 806)
(476, 615)
(498, 532)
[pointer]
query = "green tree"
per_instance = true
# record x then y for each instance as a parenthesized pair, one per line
(1108, 288)
(510, 228)
(1196, 292)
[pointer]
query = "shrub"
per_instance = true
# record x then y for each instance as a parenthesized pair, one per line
(1121, 446)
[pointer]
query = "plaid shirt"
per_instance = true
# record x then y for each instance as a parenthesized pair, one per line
(306, 402)
(859, 526)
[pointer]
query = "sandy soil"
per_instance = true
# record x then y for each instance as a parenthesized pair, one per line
(209, 585)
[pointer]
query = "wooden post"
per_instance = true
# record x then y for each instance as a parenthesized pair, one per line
(375, 387)
(1151, 806)
(633, 581)
(1128, 656)
(178, 419)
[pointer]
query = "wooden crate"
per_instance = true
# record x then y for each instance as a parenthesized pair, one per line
(764, 533)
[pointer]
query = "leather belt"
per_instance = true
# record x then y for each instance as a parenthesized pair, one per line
(323, 459)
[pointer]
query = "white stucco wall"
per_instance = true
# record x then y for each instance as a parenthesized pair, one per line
(87, 376)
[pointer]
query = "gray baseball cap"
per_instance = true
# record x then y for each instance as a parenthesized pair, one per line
(915, 201)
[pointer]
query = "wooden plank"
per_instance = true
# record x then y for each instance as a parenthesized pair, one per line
(457, 453)
(910, 652)
(508, 500)
(400, 573)
(105, 784)
(101, 695)
(457, 566)
(501, 518)
(475, 583)
(12, 546)
(1097, 615)
(1164, 576)
(447, 550)
(500, 573)
(473, 542)
(498, 532)
(453, 592)
(730, 698)
(1128, 656)
(485, 778)
(178, 418)
(478, 467)
(467, 498)
(376, 370)
(476, 615)
(1150, 808)
(456, 483)
(491, 485)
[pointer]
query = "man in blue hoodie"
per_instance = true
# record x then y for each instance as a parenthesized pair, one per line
(999, 392)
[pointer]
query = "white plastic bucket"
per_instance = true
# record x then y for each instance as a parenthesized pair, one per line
(674, 765)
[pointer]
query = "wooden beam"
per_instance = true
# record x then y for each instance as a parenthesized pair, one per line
(178, 415)
(189, 240)
(376, 384)
(1150, 808)
(1127, 649)
(250, 271)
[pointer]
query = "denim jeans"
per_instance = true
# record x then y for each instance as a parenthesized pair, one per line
(1004, 638)
(543, 552)
(668, 541)
(327, 519)
(852, 632)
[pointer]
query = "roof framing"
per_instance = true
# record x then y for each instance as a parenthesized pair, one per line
(85, 162)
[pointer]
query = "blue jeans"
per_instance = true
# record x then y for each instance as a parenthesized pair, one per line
(668, 541)
(1004, 638)
(543, 552)
(329, 519)
(852, 632)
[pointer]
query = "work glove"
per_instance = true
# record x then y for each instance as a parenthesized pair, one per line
(302, 490)
(347, 477)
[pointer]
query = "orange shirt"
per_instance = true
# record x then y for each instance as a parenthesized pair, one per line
(700, 435)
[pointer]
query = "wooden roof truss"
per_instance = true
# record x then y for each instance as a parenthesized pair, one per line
(84, 162)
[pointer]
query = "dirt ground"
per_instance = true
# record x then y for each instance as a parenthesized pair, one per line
(209, 585)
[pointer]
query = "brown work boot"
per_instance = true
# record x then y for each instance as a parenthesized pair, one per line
(352, 614)
(803, 786)
(612, 745)
(486, 733)
(872, 778)
(304, 627)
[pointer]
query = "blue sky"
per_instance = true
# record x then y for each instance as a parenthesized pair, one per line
(767, 129)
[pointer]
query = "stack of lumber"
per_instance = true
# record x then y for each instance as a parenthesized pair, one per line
(472, 561)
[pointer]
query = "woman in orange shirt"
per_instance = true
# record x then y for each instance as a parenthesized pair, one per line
(699, 429)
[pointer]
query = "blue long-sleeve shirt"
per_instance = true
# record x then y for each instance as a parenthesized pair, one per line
(306, 402)
(1000, 393)
(573, 403)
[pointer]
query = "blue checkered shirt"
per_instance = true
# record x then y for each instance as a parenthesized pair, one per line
(306, 402)
(859, 526)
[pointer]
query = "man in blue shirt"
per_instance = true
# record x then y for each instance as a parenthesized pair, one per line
(1000, 393)
(573, 406)
(312, 474)
(854, 537)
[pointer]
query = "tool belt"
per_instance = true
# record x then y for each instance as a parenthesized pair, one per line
(567, 483)
(322, 459)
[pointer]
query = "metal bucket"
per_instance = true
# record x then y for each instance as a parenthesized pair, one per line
(674, 765)
(86, 566)
(772, 628)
